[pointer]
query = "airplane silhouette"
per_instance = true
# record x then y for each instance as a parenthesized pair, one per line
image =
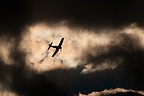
(57, 47)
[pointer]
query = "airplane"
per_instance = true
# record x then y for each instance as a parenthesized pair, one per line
(57, 47)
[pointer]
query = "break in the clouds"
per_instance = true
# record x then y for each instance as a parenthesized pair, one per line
(77, 41)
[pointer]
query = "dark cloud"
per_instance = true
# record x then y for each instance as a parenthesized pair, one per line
(90, 13)
(24, 81)
(45, 84)
(128, 74)
(15, 15)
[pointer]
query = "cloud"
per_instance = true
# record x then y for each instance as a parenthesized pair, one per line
(115, 92)
(15, 16)
(97, 45)
(22, 80)
(118, 64)
(33, 66)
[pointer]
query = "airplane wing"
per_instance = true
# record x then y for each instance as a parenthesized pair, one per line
(61, 42)
(55, 52)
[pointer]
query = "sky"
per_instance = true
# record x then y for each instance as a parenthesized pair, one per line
(102, 52)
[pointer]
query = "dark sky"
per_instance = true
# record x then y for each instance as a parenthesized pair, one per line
(15, 15)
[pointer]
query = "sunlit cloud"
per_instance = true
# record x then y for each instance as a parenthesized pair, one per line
(115, 91)
(93, 49)
(77, 44)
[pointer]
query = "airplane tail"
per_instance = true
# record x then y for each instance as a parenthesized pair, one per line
(49, 45)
